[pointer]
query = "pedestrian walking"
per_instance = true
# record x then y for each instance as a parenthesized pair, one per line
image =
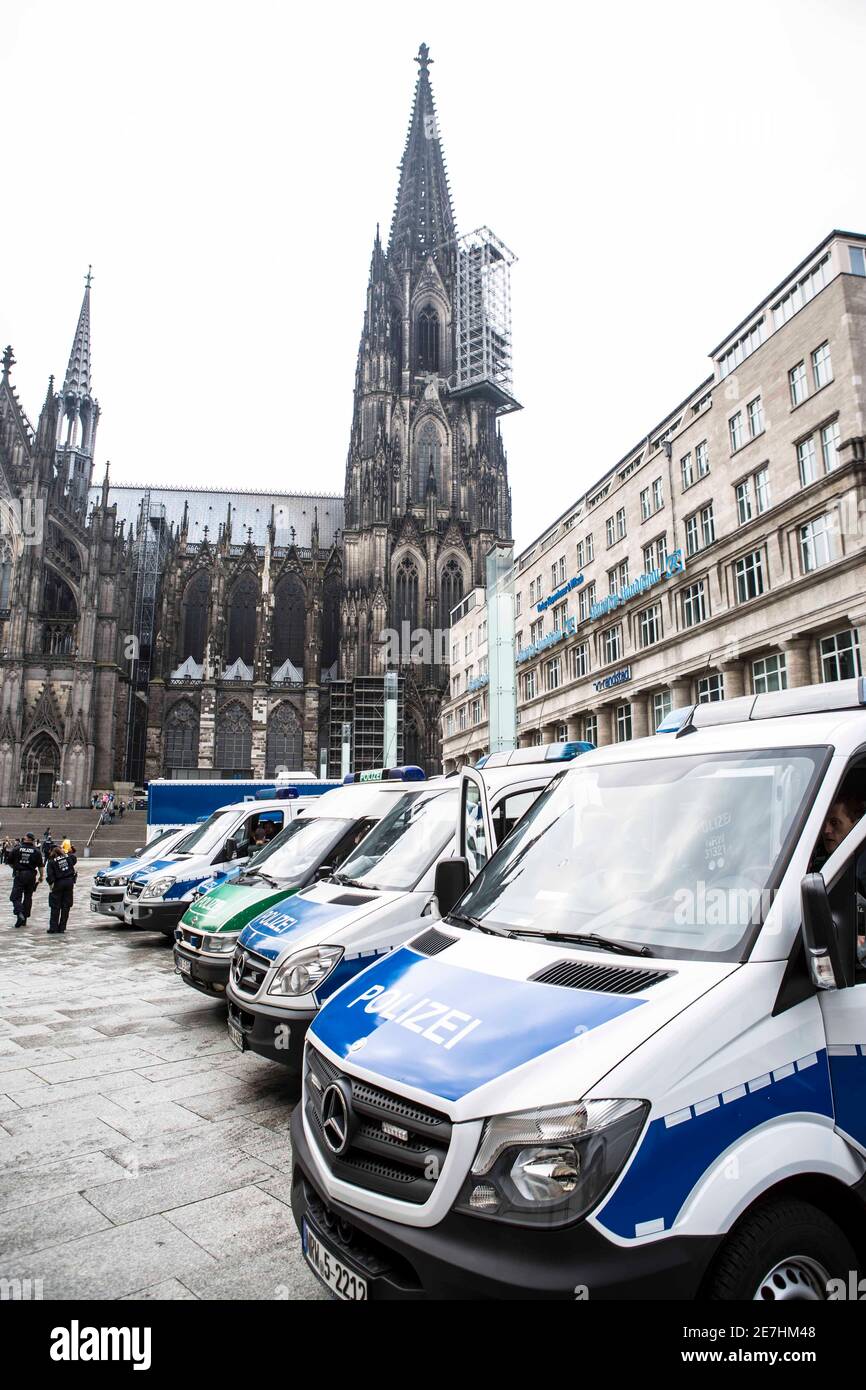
(28, 870)
(61, 875)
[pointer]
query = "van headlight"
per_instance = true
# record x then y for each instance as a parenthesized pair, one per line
(305, 970)
(158, 888)
(222, 941)
(552, 1165)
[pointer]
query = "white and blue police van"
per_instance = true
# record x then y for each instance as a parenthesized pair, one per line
(109, 884)
(630, 1061)
(157, 896)
(292, 957)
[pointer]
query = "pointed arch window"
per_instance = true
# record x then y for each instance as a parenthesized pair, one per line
(406, 594)
(234, 739)
(330, 621)
(196, 597)
(285, 741)
(5, 574)
(428, 454)
(243, 606)
(181, 737)
(428, 340)
(289, 621)
(451, 590)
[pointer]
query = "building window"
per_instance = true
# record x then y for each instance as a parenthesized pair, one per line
(798, 383)
(468, 641)
(518, 604)
(562, 733)
(658, 495)
(804, 290)
(284, 744)
(428, 340)
(529, 686)
(744, 501)
(590, 728)
(181, 736)
(586, 599)
(580, 661)
(817, 544)
(830, 446)
(762, 490)
(661, 707)
(702, 459)
(234, 738)
(822, 367)
(610, 529)
(651, 625)
(560, 616)
(242, 619)
(406, 594)
(451, 589)
(580, 556)
(858, 260)
(807, 461)
(194, 612)
(612, 643)
(655, 555)
(646, 510)
(692, 541)
(687, 472)
(620, 524)
(710, 689)
(708, 525)
(694, 604)
(461, 718)
(741, 349)
(554, 674)
(840, 656)
(617, 578)
(449, 725)
(536, 631)
(749, 572)
(735, 430)
(770, 673)
(623, 723)
(455, 652)
(476, 711)
(755, 412)
(589, 548)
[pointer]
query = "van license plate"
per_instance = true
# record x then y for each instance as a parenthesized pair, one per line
(339, 1278)
(237, 1037)
(184, 965)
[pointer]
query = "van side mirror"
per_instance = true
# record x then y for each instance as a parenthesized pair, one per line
(229, 850)
(451, 882)
(819, 935)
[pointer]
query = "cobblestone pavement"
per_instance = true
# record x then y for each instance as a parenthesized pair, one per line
(141, 1156)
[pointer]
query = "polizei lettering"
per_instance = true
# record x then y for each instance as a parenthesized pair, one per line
(436, 1022)
(77, 1343)
(273, 921)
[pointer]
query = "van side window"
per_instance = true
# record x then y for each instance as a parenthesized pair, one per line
(510, 809)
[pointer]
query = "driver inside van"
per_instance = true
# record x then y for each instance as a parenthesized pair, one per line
(848, 808)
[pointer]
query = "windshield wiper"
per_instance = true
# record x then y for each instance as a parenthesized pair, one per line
(603, 943)
(476, 923)
(257, 873)
(347, 882)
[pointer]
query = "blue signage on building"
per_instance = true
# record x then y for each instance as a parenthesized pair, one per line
(527, 653)
(615, 678)
(674, 564)
(560, 593)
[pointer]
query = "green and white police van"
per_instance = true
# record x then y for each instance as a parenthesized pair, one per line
(311, 847)
(630, 1061)
(289, 959)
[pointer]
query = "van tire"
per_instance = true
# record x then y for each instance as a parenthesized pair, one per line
(791, 1237)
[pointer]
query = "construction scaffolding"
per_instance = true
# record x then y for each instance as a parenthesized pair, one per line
(360, 703)
(150, 547)
(483, 318)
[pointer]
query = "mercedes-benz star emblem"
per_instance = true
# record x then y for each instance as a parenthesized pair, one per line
(238, 969)
(335, 1118)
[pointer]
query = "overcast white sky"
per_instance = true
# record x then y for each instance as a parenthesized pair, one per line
(656, 168)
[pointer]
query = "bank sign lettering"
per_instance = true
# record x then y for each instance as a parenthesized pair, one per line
(675, 564)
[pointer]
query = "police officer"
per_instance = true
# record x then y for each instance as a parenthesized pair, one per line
(27, 870)
(61, 880)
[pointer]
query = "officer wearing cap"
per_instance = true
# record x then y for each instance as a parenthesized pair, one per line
(27, 870)
(61, 881)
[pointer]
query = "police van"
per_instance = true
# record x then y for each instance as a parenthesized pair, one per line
(157, 896)
(109, 885)
(290, 958)
(311, 847)
(631, 1060)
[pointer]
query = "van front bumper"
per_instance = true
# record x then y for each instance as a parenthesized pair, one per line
(154, 915)
(208, 973)
(108, 902)
(271, 1032)
(468, 1257)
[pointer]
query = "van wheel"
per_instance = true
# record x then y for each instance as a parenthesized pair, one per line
(784, 1251)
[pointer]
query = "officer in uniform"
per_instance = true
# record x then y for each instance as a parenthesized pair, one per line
(27, 870)
(61, 876)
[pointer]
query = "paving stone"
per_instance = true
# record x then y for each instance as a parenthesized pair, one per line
(247, 1218)
(38, 1182)
(25, 1230)
(278, 1273)
(177, 1186)
(168, 1290)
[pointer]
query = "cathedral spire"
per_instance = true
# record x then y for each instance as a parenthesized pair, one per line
(423, 216)
(77, 381)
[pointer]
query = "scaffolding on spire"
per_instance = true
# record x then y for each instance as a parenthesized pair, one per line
(483, 319)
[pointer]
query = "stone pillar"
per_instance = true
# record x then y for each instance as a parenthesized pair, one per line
(639, 718)
(548, 733)
(734, 675)
(797, 661)
(604, 714)
(573, 727)
(311, 728)
(681, 692)
(207, 725)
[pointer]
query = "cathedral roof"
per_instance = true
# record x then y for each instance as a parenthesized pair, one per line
(423, 216)
(250, 511)
(77, 380)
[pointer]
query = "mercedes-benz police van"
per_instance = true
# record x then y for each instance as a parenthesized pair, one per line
(289, 959)
(109, 885)
(157, 896)
(631, 1060)
(311, 847)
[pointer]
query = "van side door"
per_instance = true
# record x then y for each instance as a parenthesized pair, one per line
(844, 1010)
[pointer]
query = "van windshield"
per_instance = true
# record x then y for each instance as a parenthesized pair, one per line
(677, 854)
(300, 848)
(405, 843)
(207, 835)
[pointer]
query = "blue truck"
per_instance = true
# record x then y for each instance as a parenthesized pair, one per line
(173, 802)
